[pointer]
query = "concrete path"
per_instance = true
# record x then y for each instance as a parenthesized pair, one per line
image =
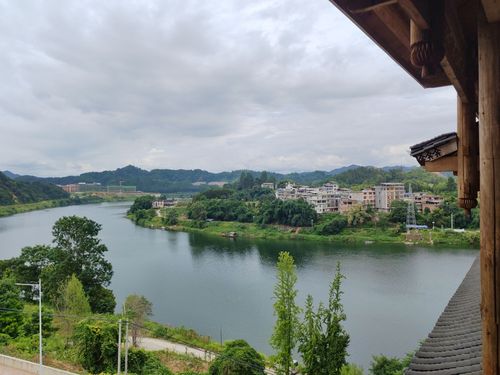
(5, 370)
(151, 344)
(148, 343)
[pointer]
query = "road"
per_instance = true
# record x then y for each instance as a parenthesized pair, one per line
(4, 370)
(148, 343)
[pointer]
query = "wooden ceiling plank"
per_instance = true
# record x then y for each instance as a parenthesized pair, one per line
(362, 6)
(418, 11)
(455, 63)
(492, 10)
(399, 26)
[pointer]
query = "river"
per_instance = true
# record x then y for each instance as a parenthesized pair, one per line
(393, 294)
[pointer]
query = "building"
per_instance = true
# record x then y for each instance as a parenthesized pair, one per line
(386, 193)
(425, 201)
(324, 199)
(163, 203)
(70, 188)
(267, 185)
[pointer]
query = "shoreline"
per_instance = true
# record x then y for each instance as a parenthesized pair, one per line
(368, 235)
(15, 209)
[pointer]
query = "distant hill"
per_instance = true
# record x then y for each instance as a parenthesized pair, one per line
(12, 191)
(11, 175)
(182, 180)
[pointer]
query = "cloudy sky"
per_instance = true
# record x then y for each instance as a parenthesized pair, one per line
(282, 85)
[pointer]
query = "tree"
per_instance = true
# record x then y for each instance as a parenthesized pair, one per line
(351, 369)
(77, 250)
(171, 217)
(323, 341)
(96, 345)
(73, 305)
(286, 329)
(310, 339)
(382, 365)
(141, 203)
(335, 339)
(238, 358)
(398, 212)
(11, 318)
(197, 211)
(137, 308)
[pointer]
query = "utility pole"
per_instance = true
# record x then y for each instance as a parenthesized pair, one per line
(119, 347)
(126, 347)
(452, 221)
(38, 287)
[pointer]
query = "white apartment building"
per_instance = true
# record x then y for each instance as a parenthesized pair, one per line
(324, 199)
(387, 192)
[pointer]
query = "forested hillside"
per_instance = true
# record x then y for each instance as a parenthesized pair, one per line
(12, 192)
(419, 179)
(181, 180)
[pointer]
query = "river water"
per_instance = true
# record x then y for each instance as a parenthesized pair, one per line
(393, 293)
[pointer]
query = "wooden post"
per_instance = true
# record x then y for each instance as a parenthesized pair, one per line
(489, 143)
(468, 154)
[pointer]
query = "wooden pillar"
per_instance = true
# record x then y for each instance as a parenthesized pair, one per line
(468, 154)
(489, 143)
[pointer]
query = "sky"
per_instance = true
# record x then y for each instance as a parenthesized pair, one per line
(279, 85)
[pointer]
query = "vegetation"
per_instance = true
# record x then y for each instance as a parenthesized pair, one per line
(238, 358)
(42, 205)
(323, 340)
(382, 365)
(137, 308)
(286, 330)
(72, 305)
(76, 251)
(13, 192)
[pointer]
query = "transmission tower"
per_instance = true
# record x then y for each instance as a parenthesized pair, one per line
(411, 220)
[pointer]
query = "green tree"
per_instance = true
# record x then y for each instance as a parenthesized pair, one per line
(351, 369)
(142, 203)
(11, 319)
(77, 250)
(336, 339)
(31, 321)
(238, 358)
(382, 365)
(73, 305)
(310, 339)
(287, 327)
(96, 345)
(197, 211)
(137, 308)
(323, 340)
(171, 217)
(398, 212)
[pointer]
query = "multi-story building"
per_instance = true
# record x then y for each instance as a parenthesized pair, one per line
(267, 185)
(386, 193)
(425, 201)
(324, 199)
(368, 197)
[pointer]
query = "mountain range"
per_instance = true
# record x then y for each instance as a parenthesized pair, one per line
(182, 180)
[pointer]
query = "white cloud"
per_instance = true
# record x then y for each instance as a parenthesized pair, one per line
(226, 84)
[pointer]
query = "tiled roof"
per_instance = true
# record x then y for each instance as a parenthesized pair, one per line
(432, 143)
(454, 345)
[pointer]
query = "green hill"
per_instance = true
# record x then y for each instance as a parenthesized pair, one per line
(12, 192)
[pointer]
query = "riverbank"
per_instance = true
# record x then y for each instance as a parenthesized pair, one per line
(73, 200)
(362, 235)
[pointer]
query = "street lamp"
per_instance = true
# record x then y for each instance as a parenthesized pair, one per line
(39, 288)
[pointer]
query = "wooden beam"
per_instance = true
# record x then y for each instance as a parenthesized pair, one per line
(457, 62)
(418, 11)
(489, 160)
(468, 155)
(444, 164)
(396, 22)
(362, 6)
(492, 10)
